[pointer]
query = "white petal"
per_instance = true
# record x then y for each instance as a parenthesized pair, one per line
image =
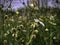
(41, 23)
(36, 20)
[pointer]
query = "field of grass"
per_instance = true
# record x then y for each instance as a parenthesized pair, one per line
(30, 27)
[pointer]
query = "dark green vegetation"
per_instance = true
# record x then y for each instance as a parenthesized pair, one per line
(19, 28)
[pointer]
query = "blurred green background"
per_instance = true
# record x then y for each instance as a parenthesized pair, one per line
(20, 28)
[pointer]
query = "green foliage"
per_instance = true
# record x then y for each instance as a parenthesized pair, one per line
(19, 28)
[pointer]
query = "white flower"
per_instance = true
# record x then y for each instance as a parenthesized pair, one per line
(54, 37)
(17, 12)
(46, 29)
(51, 17)
(36, 31)
(33, 25)
(36, 20)
(5, 34)
(13, 35)
(13, 28)
(41, 23)
(32, 5)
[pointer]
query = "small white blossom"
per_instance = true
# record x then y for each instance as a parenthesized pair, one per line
(5, 34)
(54, 37)
(13, 28)
(36, 20)
(31, 5)
(13, 35)
(46, 29)
(17, 12)
(33, 25)
(41, 23)
(36, 31)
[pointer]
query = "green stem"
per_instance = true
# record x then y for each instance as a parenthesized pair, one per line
(31, 36)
